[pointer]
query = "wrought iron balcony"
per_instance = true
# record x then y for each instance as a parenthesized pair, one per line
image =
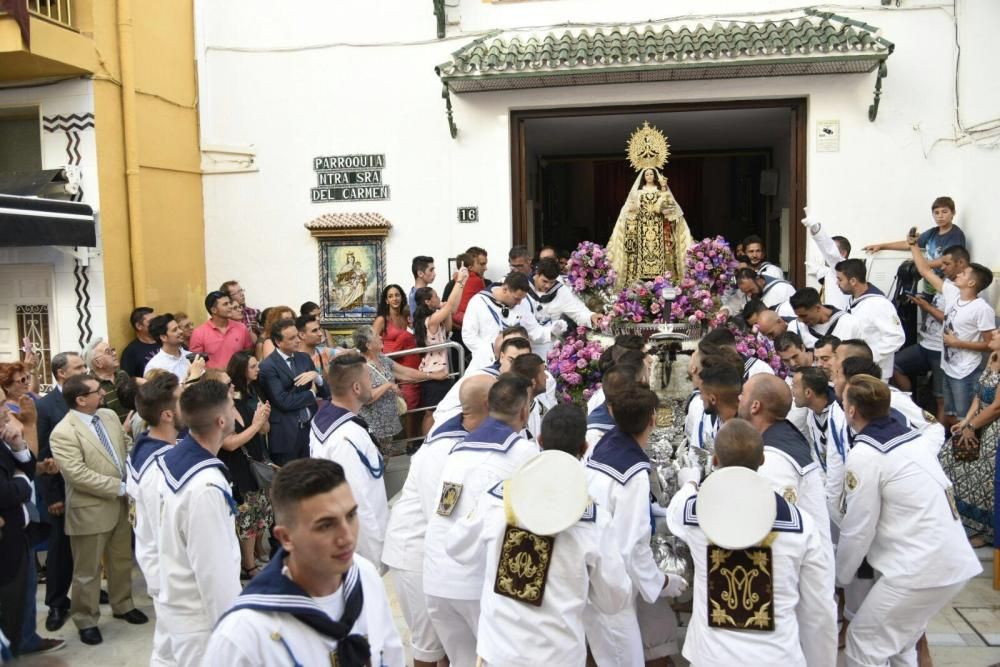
(56, 11)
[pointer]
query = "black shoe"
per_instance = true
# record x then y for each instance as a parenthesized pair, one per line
(104, 598)
(49, 645)
(56, 618)
(91, 636)
(133, 616)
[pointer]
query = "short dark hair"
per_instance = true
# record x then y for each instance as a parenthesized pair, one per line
(308, 307)
(514, 329)
(857, 348)
(515, 281)
(869, 395)
(843, 245)
(739, 444)
(746, 274)
(720, 336)
(943, 202)
(788, 340)
(156, 395)
(278, 327)
(564, 428)
(475, 251)
(618, 378)
(301, 479)
(509, 394)
(853, 268)
(212, 298)
(958, 253)
(548, 267)
(60, 362)
(814, 379)
(518, 343)
(527, 366)
(77, 386)
(720, 355)
(807, 297)
(753, 308)
(201, 403)
(753, 238)
(982, 275)
(158, 325)
(302, 320)
(135, 319)
(830, 340)
(518, 251)
(420, 264)
(722, 376)
(860, 366)
(343, 371)
(633, 409)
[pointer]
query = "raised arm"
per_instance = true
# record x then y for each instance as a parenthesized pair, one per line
(923, 266)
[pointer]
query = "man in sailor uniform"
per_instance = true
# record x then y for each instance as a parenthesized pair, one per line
(487, 455)
(618, 378)
(157, 405)
(404, 544)
(811, 390)
(316, 602)
(532, 368)
(550, 300)
(822, 319)
(722, 337)
(876, 316)
(772, 291)
(788, 461)
(618, 479)
(542, 516)
(338, 434)
(901, 516)
(199, 555)
(496, 308)
(783, 612)
(511, 347)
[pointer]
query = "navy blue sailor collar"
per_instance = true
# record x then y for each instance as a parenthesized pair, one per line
(589, 514)
(544, 297)
(331, 417)
(184, 461)
(872, 291)
(618, 456)
(786, 438)
(600, 418)
(787, 519)
(885, 434)
(143, 454)
(491, 436)
(451, 428)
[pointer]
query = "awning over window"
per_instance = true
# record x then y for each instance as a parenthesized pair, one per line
(34, 221)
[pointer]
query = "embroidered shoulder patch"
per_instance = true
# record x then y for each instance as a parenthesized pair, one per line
(524, 565)
(450, 493)
(950, 495)
(850, 480)
(789, 494)
(740, 591)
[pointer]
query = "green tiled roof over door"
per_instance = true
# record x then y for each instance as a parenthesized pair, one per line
(817, 44)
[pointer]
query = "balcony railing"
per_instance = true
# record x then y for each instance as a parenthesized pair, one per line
(57, 11)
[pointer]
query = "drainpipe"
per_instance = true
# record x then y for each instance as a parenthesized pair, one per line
(131, 145)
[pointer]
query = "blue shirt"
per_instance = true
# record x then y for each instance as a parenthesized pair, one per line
(934, 243)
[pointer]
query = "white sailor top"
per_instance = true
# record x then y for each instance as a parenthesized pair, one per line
(803, 613)
(199, 555)
(558, 302)
(776, 291)
(789, 466)
(485, 318)
(755, 366)
(618, 479)
(599, 422)
(880, 326)
(337, 434)
(274, 623)
(841, 324)
(404, 537)
(143, 487)
(769, 270)
(451, 404)
(518, 626)
(901, 512)
(487, 455)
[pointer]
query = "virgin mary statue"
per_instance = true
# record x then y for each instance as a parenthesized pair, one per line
(650, 236)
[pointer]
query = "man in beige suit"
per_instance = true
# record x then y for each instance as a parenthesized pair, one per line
(89, 446)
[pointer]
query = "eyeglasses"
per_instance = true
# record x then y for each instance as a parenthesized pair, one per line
(99, 390)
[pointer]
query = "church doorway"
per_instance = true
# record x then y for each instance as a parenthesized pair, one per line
(736, 168)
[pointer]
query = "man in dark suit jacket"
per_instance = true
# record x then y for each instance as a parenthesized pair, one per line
(52, 489)
(291, 384)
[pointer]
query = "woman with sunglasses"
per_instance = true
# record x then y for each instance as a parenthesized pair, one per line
(16, 381)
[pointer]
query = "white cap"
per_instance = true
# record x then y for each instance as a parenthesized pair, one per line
(549, 493)
(736, 508)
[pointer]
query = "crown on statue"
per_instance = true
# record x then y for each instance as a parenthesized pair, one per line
(648, 148)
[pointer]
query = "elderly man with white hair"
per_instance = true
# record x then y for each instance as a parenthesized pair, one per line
(102, 362)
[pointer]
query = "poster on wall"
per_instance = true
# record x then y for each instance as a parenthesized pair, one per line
(352, 275)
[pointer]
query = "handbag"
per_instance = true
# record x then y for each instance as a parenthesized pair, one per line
(400, 401)
(262, 471)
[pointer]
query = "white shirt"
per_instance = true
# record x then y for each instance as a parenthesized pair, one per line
(968, 320)
(484, 320)
(451, 404)
(917, 419)
(831, 257)
(805, 614)
(899, 514)
(930, 333)
(880, 327)
(477, 463)
(143, 487)
(770, 270)
(776, 292)
(335, 436)
(841, 324)
(585, 568)
(552, 305)
(178, 365)
(699, 426)
(252, 638)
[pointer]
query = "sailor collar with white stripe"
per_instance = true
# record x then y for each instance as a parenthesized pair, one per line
(545, 297)
(589, 514)
(788, 518)
(600, 418)
(452, 428)
(784, 437)
(886, 434)
(491, 436)
(144, 453)
(184, 461)
(618, 456)
(869, 293)
(330, 418)
(770, 282)
(765, 265)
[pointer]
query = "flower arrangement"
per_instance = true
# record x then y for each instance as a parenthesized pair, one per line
(752, 343)
(573, 363)
(644, 302)
(711, 264)
(589, 269)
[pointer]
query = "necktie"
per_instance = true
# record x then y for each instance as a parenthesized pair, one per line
(103, 437)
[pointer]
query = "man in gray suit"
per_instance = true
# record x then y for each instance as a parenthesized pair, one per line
(89, 445)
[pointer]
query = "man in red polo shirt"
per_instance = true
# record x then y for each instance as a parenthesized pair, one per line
(220, 338)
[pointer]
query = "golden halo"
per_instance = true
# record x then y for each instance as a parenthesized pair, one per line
(647, 148)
